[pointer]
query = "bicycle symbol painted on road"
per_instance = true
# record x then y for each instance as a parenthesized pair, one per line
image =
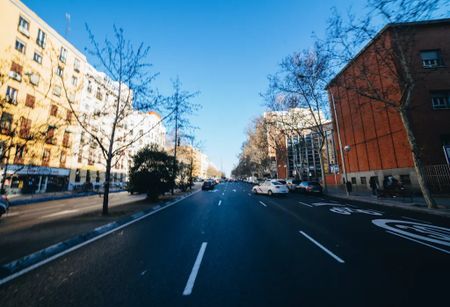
(416, 231)
(349, 211)
(345, 210)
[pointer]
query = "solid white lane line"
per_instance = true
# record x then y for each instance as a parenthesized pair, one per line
(323, 248)
(304, 204)
(59, 213)
(415, 220)
(195, 268)
(420, 242)
(220, 202)
(263, 204)
(47, 260)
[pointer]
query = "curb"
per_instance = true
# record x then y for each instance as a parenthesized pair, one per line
(436, 212)
(23, 265)
(23, 202)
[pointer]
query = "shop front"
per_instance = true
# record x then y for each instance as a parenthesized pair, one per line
(28, 179)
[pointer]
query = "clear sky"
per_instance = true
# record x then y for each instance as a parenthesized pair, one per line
(224, 49)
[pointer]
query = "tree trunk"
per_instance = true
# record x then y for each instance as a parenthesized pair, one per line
(106, 186)
(418, 164)
(322, 168)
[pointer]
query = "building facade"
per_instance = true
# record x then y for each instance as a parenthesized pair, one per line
(374, 140)
(37, 124)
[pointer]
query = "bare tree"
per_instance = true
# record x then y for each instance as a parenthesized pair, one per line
(127, 90)
(297, 98)
(387, 75)
(181, 107)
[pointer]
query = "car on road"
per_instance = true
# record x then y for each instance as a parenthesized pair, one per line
(292, 184)
(270, 187)
(208, 185)
(310, 187)
(4, 204)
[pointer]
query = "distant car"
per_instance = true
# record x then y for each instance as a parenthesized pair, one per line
(4, 204)
(310, 187)
(292, 184)
(207, 185)
(270, 187)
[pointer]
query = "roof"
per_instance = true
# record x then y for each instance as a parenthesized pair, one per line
(381, 32)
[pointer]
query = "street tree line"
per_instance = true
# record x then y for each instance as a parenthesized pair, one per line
(302, 77)
(107, 126)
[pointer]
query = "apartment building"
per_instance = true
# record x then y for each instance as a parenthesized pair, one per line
(373, 137)
(40, 73)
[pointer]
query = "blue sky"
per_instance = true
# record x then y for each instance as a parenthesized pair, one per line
(224, 49)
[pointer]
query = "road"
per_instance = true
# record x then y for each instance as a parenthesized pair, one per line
(229, 247)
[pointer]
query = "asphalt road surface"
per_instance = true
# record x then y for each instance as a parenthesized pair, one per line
(228, 247)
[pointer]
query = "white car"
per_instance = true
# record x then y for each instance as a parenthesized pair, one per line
(270, 187)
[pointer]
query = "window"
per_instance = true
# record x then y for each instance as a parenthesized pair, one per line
(29, 101)
(16, 71)
(431, 58)
(57, 90)
(20, 46)
(11, 95)
(6, 123)
(59, 71)
(24, 26)
(89, 87)
(353, 180)
(66, 139)
(46, 157)
(49, 138)
(69, 115)
(25, 127)
(74, 81)
(77, 175)
(63, 158)
(97, 176)
(76, 65)
(363, 180)
(88, 176)
(99, 94)
(54, 110)
(63, 55)
(80, 156)
(440, 100)
(41, 38)
(37, 57)
(20, 153)
(405, 179)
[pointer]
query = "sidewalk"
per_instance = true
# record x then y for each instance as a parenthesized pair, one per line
(24, 199)
(410, 203)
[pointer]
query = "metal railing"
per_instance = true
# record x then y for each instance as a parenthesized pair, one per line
(437, 178)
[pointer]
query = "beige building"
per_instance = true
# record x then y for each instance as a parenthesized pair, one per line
(188, 154)
(36, 122)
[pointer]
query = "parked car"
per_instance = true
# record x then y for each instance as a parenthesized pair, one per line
(310, 187)
(4, 204)
(292, 184)
(207, 185)
(270, 187)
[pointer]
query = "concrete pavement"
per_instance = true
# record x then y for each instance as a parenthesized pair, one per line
(231, 248)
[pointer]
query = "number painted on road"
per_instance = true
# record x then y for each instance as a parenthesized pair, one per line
(418, 231)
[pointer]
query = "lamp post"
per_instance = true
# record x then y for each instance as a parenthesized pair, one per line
(340, 141)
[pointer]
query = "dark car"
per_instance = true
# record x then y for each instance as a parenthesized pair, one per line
(310, 187)
(207, 185)
(4, 204)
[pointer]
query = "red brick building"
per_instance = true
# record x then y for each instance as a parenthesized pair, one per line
(374, 131)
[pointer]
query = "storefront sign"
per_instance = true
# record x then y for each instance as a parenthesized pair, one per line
(36, 170)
